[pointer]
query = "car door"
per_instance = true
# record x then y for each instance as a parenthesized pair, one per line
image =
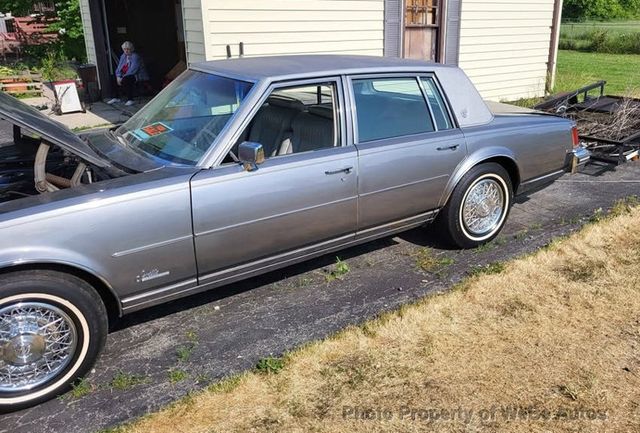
(302, 197)
(408, 146)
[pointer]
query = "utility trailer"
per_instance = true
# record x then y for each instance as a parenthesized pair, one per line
(608, 126)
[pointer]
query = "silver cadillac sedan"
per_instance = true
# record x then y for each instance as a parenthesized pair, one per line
(237, 168)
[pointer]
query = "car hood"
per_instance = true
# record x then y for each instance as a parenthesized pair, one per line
(24, 116)
(121, 156)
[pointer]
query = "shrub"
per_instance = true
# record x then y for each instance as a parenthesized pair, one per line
(580, 10)
(599, 40)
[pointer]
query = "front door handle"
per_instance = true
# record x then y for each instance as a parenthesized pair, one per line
(454, 147)
(345, 170)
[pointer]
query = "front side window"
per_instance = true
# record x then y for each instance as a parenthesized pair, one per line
(183, 121)
(295, 119)
(390, 107)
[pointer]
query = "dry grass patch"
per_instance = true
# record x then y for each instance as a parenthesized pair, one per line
(549, 344)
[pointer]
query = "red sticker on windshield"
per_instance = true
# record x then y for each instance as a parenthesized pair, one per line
(155, 129)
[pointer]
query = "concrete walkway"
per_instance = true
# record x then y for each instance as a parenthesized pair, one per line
(98, 114)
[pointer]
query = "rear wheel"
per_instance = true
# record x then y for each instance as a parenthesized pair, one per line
(478, 206)
(52, 328)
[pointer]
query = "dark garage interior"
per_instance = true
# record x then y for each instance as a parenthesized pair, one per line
(154, 27)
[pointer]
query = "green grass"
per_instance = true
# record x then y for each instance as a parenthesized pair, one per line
(573, 30)
(339, 270)
(577, 69)
(621, 37)
(270, 365)
(80, 389)
(123, 381)
(488, 269)
(177, 375)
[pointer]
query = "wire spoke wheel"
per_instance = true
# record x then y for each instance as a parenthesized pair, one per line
(478, 206)
(483, 207)
(37, 342)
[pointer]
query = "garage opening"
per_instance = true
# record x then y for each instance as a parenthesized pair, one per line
(156, 29)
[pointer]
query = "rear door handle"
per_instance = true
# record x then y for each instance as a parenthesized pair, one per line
(346, 170)
(454, 147)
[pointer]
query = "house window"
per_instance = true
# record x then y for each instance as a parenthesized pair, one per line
(421, 13)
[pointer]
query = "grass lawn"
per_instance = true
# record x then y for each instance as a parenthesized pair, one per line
(548, 342)
(577, 69)
(574, 30)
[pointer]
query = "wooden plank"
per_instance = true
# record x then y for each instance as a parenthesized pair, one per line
(418, 43)
(14, 85)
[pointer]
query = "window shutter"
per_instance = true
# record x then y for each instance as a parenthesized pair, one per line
(452, 43)
(392, 28)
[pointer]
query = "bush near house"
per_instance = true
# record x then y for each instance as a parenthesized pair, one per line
(622, 37)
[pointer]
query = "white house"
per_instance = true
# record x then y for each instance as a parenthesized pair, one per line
(507, 47)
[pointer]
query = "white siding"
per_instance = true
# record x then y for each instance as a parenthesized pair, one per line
(293, 27)
(504, 46)
(192, 11)
(88, 32)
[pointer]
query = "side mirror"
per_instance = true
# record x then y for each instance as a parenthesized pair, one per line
(250, 155)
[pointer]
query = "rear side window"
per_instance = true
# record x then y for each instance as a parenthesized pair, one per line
(390, 107)
(437, 104)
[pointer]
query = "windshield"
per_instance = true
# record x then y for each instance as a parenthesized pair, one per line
(181, 123)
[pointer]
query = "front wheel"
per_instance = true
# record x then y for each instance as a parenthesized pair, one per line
(478, 206)
(52, 328)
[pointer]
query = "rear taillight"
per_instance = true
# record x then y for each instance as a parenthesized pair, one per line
(574, 137)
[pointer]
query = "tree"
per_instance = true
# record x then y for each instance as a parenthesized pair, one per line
(69, 27)
(16, 7)
(580, 10)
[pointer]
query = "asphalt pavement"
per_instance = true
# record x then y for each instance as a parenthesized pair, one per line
(161, 354)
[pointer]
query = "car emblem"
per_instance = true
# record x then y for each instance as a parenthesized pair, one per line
(21, 349)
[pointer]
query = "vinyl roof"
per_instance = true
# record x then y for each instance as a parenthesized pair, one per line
(279, 67)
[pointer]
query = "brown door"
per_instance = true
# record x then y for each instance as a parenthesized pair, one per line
(421, 29)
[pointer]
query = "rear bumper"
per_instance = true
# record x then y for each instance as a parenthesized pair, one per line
(579, 157)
